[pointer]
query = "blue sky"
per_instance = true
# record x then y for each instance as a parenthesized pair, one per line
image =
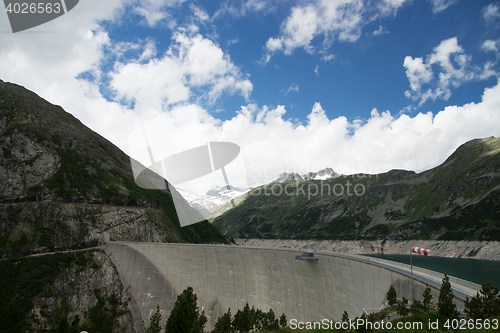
(348, 77)
(359, 86)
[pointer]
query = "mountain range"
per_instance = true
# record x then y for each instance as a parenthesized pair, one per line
(63, 184)
(220, 199)
(213, 202)
(324, 174)
(457, 200)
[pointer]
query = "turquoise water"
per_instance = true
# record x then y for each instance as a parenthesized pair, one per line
(475, 270)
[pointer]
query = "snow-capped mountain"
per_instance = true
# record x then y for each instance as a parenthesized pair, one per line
(219, 199)
(210, 204)
(324, 174)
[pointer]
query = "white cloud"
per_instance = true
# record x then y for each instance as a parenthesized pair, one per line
(334, 20)
(390, 7)
(328, 57)
(490, 45)
(440, 5)
(51, 63)
(191, 62)
(491, 12)
(453, 69)
(155, 11)
(341, 20)
(380, 31)
(149, 50)
(243, 8)
(270, 144)
(293, 87)
(200, 13)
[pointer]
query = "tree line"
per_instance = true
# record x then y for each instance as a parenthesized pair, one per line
(185, 317)
(485, 304)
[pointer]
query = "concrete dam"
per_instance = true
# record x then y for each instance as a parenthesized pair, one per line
(230, 276)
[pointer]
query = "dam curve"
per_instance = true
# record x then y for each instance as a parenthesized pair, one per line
(225, 277)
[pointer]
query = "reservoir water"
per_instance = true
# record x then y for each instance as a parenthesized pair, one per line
(475, 270)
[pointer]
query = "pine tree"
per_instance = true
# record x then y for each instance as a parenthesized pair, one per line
(426, 303)
(484, 304)
(491, 299)
(283, 320)
(185, 317)
(154, 322)
(223, 324)
(243, 321)
(392, 296)
(270, 322)
(446, 307)
(345, 317)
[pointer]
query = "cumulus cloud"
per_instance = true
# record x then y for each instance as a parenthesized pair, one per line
(334, 20)
(340, 19)
(191, 62)
(111, 86)
(51, 64)
(270, 144)
(453, 68)
(440, 5)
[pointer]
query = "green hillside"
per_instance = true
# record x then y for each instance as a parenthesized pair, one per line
(459, 199)
(61, 183)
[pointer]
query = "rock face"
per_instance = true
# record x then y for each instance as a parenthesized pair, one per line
(458, 200)
(81, 289)
(452, 249)
(61, 184)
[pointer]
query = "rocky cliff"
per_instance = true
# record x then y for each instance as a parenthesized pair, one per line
(63, 184)
(458, 200)
(63, 292)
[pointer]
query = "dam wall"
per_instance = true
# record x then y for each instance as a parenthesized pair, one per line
(230, 276)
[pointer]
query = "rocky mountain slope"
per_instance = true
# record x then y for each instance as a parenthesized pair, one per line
(324, 174)
(61, 184)
(63, 292)
(458, 200)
